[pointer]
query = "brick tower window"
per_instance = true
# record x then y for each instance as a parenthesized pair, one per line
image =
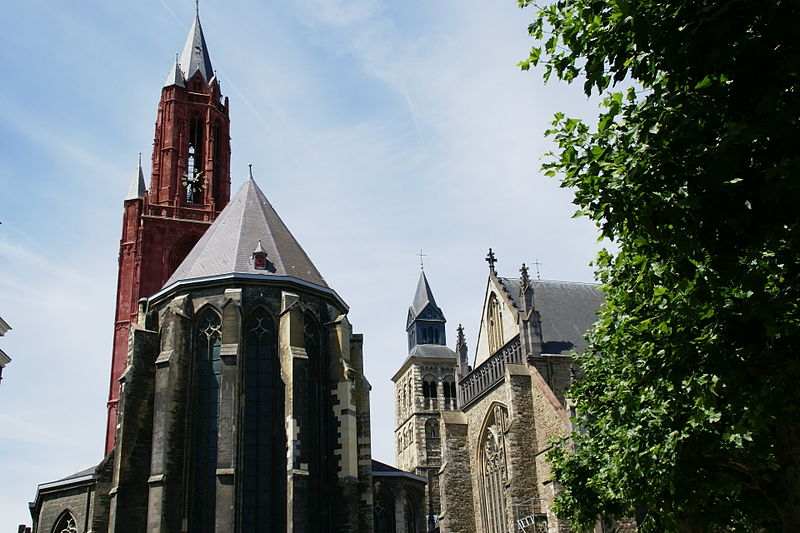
(194, 162)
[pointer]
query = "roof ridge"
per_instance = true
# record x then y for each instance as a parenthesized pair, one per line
(227, 246)
(241, 221)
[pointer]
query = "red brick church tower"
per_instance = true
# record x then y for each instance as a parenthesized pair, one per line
(189, 186)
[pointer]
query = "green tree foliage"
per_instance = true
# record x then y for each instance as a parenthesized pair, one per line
(691, 396)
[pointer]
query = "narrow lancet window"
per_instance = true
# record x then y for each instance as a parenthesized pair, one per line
(193, 180)
(494, 472)
(206, 421)
(263, 437)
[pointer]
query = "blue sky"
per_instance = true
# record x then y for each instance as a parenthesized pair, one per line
(375, 129)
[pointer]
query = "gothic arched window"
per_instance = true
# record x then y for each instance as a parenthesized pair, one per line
(180, 250)
(65, 523)
(194, 160)
(411, 516)
(313, 408)
(494, 320)
(384, 511)
(494, 472)
(206, 420)
(263, 435)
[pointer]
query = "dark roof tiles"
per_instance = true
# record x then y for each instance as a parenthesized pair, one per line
(433, 351)
(228, 245)
(567, 310)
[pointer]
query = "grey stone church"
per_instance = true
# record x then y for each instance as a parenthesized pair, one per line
(237, 398)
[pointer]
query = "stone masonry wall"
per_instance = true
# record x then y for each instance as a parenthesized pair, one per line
(551, 421)
(458, 511)
(76, 500)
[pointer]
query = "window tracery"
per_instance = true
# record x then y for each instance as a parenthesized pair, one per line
(206, 421)
(65, 524)
(262, 498)
(494, 472)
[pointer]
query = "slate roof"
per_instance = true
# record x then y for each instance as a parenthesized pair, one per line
(137, 188)
(83, 475)
(567, 309)
(432, 351)
(378, 466)
(228, 245)
(423, 296)
(422, 299)
(383, 470)
(194, 58)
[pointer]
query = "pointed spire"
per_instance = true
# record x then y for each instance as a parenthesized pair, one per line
(423, 296)
(137, 188)
(175, 76)
(462, 352)
(525, 279)
(228, 245)
(461, 342)
(195, 54)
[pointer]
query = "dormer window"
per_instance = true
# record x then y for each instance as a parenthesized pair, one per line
(259, 258)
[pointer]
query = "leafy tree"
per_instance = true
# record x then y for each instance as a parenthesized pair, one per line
(691, 396)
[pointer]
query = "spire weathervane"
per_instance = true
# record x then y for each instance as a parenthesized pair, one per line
(421, 260)
(250, 166)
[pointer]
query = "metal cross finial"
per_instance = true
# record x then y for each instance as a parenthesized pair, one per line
(140, 159)
(250, 166)
(421, 259)
(537, 264)
(197, 6)
(491, 259)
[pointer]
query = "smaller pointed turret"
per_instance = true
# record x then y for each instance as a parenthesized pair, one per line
(137, 188)
(175, 76)
(425, 324)
(423, 297)
(462, 352)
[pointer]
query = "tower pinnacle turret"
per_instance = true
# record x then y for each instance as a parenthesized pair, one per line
(425, 324)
